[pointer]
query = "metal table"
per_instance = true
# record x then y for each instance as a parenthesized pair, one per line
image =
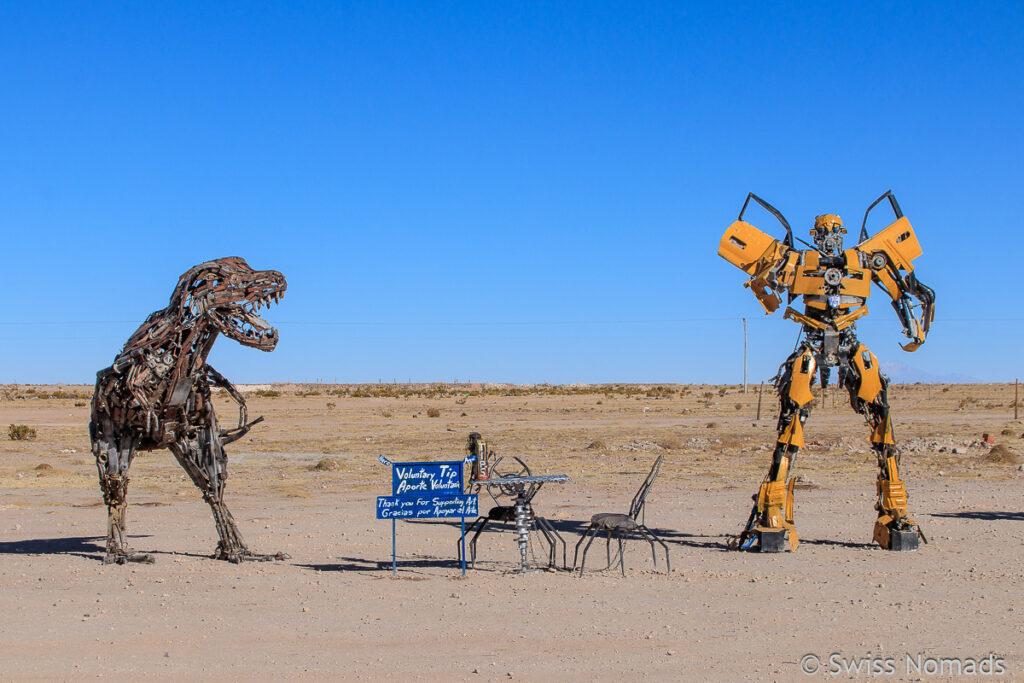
(525, 488)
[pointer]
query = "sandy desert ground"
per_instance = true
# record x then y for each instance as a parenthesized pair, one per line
(334, 610)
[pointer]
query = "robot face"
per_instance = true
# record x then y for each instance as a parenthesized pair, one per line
(828, 233)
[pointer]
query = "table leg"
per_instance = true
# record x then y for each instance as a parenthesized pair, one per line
(522, 529)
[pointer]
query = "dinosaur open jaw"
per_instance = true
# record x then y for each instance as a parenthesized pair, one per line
(244, 325)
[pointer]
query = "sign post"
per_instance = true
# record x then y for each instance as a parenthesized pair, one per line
(426, 490)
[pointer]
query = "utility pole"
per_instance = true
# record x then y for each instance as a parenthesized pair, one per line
(760, 390)
(744, 355)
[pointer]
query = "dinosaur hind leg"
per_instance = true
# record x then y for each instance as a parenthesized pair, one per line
(114, 454)
(206, 464)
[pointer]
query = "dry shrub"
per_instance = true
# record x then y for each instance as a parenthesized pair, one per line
(1000, 454)
(21, 433)
(597, 445)
(327, 465)
(42, 467)
(738, 406)
(433, 412)
(292, 490)
(670, 442)
(331, 406)
(712, 425)
(267, 393)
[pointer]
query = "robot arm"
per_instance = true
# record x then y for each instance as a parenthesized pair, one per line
(890, 256)
(763, 258)
(769, 262)
(915, 325)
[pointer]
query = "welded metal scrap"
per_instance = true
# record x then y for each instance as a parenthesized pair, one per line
(157, 394)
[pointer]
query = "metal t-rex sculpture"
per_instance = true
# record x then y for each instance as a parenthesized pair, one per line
(157, 394)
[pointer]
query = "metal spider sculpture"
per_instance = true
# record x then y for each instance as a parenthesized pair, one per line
(157, 394)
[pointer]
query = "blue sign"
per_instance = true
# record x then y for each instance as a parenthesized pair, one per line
(426, 507)
(426, 490)
(422, 478)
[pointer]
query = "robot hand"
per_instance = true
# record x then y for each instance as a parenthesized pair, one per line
(916, 329)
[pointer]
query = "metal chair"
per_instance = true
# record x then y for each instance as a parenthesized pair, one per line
(624, 526)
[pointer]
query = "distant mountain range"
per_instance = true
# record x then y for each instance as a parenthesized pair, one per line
(901, 373)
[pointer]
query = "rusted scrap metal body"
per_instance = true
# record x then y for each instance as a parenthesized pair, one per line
(157, 393)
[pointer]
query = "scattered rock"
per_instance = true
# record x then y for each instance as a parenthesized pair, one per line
(804, 482)
(638, 445)
(918, 444)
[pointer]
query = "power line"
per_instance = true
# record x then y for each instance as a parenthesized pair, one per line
(395, 323)
(480, 323)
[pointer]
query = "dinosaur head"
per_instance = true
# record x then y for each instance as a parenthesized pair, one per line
(227, 293)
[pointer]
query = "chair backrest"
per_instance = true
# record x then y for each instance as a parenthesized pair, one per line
(636, 508)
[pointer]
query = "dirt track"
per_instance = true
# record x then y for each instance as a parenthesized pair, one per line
(333, 610)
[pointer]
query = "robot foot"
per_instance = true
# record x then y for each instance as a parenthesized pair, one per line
(773, 540)
(777, 540)
(902, 534)
(766, 540)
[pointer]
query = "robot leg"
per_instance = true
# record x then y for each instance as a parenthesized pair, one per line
(894, 529)
(770, 525)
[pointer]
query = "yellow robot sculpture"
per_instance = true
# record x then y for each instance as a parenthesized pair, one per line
(835, 284)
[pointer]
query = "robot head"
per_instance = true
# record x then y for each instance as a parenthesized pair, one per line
(828, 233)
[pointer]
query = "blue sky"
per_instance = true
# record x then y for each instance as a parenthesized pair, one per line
(517, 192)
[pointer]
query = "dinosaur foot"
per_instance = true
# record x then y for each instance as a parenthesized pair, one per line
(245, 555)
(126, 556)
